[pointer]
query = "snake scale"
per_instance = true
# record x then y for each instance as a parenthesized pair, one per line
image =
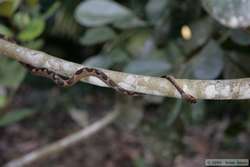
(86, 72)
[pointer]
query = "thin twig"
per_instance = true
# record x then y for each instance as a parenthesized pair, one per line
(63, 144)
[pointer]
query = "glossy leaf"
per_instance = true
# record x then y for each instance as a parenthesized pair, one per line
(148, 67)
(129, 22)
(33, 30)
(99, 61)
(231, 13)
(136, 43)
(5, 31)
(97, 35)
(7, 8)
(21, 20)
(35, 44)
(115, 56)
(100, 12)
(11, 73)
(118, 56)
(52, 10)
(208, 64)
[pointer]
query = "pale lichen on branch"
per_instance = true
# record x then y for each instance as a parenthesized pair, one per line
(201, 89)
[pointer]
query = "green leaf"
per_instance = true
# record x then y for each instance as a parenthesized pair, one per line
(21, 20)
(231, 13)
(136, 43)
(174, 54)
(8, 7)
(34, 29)
(99, 61)
(208, 64)
(97, 35)
(148, 67)
(3, 101)
(32, 3)
(35, 44)
(100, 12)
(15, 116)
(52, 10)
(118, 56)
(129, 22)
(5, 31)
(115, 56)
(11, 73)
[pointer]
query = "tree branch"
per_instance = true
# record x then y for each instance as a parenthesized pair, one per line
(201, 89)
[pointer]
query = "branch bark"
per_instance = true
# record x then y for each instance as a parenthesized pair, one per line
(201, 89)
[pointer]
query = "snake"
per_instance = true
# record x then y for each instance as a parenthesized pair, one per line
(84, 72)
(77, 76)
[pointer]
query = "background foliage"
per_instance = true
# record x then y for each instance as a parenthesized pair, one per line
(199, 39)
